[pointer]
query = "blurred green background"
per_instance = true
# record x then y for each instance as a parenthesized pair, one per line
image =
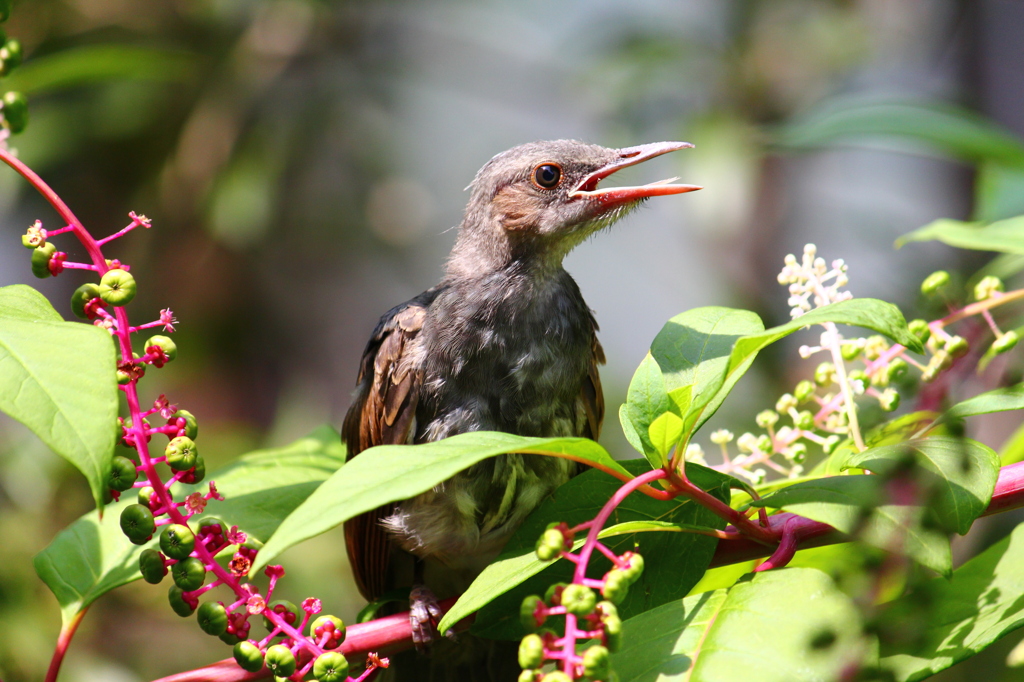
(303, 161)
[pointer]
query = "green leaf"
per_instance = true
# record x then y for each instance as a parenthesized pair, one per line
(675, 560)
(998, 192)
(957, 474)
(946, 621)
(263, 487)
(787, 625)
(58, 379)
(999, 400)
(665, 432)
(887, 433)
(92, 556)
(1013, 449)
(91, 64)
(954, 131)
(851, 504)
(693, 350)
(88, 559)
(646, 400)
(1006, 236)
(389, 473)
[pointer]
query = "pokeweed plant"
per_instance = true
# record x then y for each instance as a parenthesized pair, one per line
(599, 578)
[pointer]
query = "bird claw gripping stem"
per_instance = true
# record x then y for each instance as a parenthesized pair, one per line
(294, 647)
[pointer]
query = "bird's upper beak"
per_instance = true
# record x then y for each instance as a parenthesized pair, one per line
(630, 156)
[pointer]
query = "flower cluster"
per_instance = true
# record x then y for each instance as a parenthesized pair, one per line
(586, 616)
(822, 411)
(299, 641)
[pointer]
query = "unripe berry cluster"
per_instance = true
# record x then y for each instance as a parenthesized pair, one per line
(590, 611)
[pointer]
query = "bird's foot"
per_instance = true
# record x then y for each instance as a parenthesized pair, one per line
(424, 615)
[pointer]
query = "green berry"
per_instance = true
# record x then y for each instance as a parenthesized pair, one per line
(146, 496)
(897, 369)
(768, 418)
(616, 586)
(849, 351)
(181, 453)
(117, 287)
(41, 260)
(248, 656)
(531, 652)
(122, 473)
(764, 443)
(283, 608)
(859, 375)
(920, 329)
(596, 662)
(804, 420)
(550, 545)
(83, 295)
(934, 282)
(579, 599)
(138, 523)
(635, 568)
(328, 624)
(612, 631)
(527, 676)
(553, 596)
(191, 427)
(151, 565)
(229, 638)
(177, 541)
(556, 676)
(10, 58)
(330, 667)
(213, 618)
(164, 343)
(178, 603)
(189, 574)
(15, 111)
(957, 346)
(803, 391)
(199, 470)
(889, 400)
(986, 287)
(280, 660)
(528, 615)
(823, 374)
(1005, 342)
(797, 453)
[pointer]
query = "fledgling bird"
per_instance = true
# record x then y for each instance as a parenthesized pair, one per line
(505, 342)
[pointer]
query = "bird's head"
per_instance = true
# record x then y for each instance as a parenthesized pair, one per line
(539, 200)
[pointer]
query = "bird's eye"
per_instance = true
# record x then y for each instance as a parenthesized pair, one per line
(547, 175)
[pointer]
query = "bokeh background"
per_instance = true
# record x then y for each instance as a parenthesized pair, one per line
(303, 162)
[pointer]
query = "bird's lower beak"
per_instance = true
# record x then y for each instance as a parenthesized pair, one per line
(630, 156)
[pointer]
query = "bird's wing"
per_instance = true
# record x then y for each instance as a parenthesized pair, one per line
(591, 396)
(384, 412)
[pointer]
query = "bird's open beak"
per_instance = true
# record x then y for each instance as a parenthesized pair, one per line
(630, 156)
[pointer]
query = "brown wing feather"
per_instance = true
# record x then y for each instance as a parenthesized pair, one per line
(384, 412)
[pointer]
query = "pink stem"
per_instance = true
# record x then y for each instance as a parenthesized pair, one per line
(63, 640)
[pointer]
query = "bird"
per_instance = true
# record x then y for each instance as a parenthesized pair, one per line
(504, 342)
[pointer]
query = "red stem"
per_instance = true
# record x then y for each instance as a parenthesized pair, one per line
(67, 631)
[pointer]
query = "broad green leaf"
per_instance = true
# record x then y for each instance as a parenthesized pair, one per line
(88, 559)
(646, 400)
(787, 625)
(389, 473)
(954, 131)
(263, 487)
(946, 621)
(693, 349)
(675, 563)
(1006, 236)
(57, 378)
(957, 475)
(999, 400)
(852, 504)
(665, 432)
(91, 64)
(92, 557)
